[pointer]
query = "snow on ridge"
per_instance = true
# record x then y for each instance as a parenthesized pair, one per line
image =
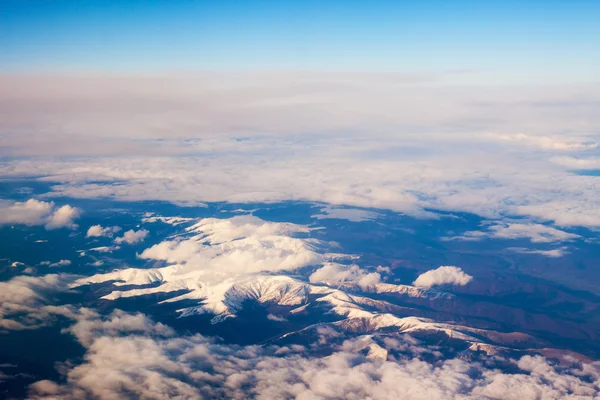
(224, 262)
(168, 220)
(216, 255)
(226, 298)
(407, 290)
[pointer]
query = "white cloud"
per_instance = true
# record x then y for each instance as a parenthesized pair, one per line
(99, 231)
(61, 263)
(554, 253)
(489, 151)
(102, 249)
(536, 233)
(132, 237)
(35, 212)
(173, 251)
(350, 214)
(31, 212)
(578, 162)
(63, 217)
(560, 143)
(24, 301)
(167, 220)
(444, 275)
(217, 254)
(569, 211)
(492, 185)
(275, 318)
(91, 325)
(129, 355)
(238, 245)
(334, 274)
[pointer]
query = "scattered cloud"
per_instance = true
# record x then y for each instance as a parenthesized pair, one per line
(61, 263)
(129, 355)
(102, 249)
(167, 220)
(536, 233)
(35, 212)
(25, 301)
(554, 253)
(276, 318)
(350, 214)
(444, 275)
(99, 231)
(132, 237)
(334, 274)
(90, 325)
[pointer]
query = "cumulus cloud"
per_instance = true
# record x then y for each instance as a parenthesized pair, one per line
(63, 217)
(238, 245)
(90, 325)
(99, 231)
(334, 274)
(444, 275)
(173, 251)
(31, 212)
(25, 302)
(536, 233)
(35, 212)
(129, 355)
(132, 237)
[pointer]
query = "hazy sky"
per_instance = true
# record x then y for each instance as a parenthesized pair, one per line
(494, 41)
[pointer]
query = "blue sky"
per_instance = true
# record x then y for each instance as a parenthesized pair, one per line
(549, 41)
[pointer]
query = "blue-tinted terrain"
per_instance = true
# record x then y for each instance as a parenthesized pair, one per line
(522, 300)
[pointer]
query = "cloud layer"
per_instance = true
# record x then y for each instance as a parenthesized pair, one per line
(366, 140)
